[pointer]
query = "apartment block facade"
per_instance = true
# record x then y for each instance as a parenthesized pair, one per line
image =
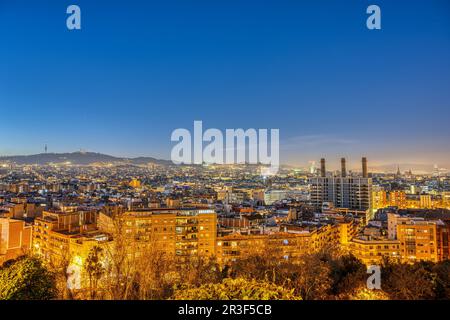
(15, 238)
(183, 232)
(342, 191)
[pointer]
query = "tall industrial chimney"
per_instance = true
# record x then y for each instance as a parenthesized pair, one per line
(343, 170)
(322, 167)
(364, 167)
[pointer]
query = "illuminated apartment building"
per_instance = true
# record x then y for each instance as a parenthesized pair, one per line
(183, 232)
(329, 234)
(13, 210)
(288, 245)
(397, 198)
(419, 240)
(379, 199)
(445, 200)
(15, 238)
(343, 191)
(425, 201)
(347, 231)
(55, 231)
(66, 239)
(292, 242)
(443, 240)
(412, 202)
(395, 219)
(372, 251)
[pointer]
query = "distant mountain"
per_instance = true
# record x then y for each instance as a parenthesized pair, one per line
(81, 158)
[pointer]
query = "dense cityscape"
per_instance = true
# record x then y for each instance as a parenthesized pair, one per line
(217, 159)
(154, 230)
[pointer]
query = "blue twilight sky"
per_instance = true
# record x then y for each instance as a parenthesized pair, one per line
(139, 69)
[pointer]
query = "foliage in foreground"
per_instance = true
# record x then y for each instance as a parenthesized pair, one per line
(261, 275)
(367, 294)
(26, 279)
(419, 281)
(236, 289)
(316, 276)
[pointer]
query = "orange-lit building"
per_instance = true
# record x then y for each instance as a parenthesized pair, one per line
(425, 201)
(182, 231)
(419, 240)
(397, 198)
(13, 210)
(293, 241)
(382, 199)
(379, 198)
(15, 238)
(289, 245)
(372, 251)
(53, 232)
(443, 240)
(65, 239)
(395, 219)
(135, 183)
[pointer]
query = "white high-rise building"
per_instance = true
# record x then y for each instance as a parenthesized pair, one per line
(343, 191)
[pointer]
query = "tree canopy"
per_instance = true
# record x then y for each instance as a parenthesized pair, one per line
(26, 279)
(237, 289)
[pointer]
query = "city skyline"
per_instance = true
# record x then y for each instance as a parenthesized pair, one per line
(131, 76)
(232, 224)
(194, 152)
(332, 165)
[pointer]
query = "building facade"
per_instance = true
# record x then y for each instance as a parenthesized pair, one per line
(183, 232)
(342, 191)
(15, 238)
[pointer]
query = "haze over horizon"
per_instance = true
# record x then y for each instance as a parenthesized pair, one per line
(135, 73)
(331, 163)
